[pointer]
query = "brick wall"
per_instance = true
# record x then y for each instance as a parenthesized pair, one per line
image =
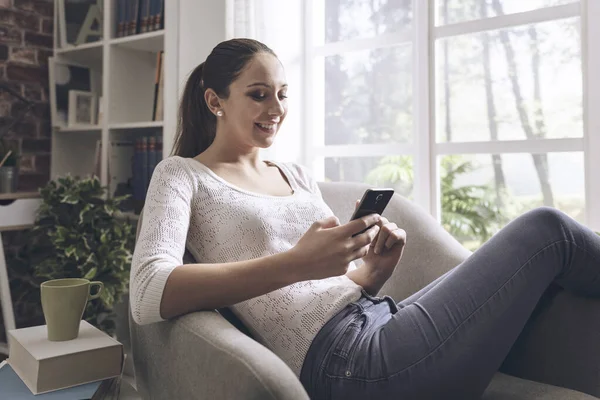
(26, 42)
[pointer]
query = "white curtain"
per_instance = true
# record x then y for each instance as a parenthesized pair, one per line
(243, 18)
(277, 24)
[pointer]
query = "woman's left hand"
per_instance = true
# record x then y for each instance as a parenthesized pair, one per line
(386, 249)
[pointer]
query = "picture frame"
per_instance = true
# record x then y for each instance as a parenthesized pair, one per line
(64, 76)
(82, 108)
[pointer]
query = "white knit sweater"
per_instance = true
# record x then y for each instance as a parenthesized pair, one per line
(189, 206)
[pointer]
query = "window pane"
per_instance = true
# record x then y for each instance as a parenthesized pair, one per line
(453, 11)
(480, 98)
(481, 193)
(389, 171)
(368, 97)
(353, 19)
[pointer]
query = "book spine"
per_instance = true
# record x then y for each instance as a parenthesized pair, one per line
(151, 157)
(120, 17)
(160, 90)
(144, 151)
(137, 171)
(143, 16)
(156, 84)
(158, 15)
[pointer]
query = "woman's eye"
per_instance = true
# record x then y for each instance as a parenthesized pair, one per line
(283, 96)
(258, 96)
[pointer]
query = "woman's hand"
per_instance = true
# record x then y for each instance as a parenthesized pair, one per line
(386, 249)
(327, 248)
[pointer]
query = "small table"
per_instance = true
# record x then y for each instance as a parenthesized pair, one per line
(17, 211)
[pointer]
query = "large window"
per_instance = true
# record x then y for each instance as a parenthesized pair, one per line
(487, 99)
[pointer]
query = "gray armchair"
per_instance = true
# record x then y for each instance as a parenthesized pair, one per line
(209, 354)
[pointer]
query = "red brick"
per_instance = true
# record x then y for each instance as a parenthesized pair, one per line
(4, 121)
(26, 127)
(5, 109)
(32, 181)
(39, 40)
(26, 73)
(19, 19)
(39, 110)
(47, 26)
(32, 91)
(35, 145)
(3, 52)
(14, 86)
(42, 56)
(42, 163)
(24, 55)
(27, 163)
(41, 7)
(44, 129)
(11, 35)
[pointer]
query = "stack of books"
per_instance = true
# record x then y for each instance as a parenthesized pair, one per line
(88, 367)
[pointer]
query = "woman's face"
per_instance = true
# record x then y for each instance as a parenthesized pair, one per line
(257, 105)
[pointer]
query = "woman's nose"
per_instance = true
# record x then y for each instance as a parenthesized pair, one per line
(276, 108)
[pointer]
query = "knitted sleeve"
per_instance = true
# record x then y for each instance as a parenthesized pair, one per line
(162, 238)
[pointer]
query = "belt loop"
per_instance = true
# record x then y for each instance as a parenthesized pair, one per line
(392, 303)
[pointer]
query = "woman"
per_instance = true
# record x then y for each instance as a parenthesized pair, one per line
(271, 249)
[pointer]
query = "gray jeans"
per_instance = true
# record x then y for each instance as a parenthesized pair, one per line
(449, 339)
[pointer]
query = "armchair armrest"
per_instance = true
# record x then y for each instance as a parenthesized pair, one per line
(202, 356)
(559, 344)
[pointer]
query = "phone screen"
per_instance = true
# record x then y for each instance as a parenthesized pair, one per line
(373, 201)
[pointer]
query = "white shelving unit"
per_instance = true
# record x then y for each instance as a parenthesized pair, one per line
(123, 71)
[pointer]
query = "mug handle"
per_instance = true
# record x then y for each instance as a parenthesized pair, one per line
(100, 287)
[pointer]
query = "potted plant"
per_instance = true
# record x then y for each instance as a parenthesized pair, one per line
(76, 235)
(9, 165)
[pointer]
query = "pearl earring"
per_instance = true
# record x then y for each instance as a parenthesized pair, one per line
(220, 113)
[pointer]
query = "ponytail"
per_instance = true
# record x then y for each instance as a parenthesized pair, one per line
(196, 125)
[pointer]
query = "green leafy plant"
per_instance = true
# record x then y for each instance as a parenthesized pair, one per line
(468, 211)
(5, 146)
(76, 235)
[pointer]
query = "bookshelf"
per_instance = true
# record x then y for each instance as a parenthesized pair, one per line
(123, 73)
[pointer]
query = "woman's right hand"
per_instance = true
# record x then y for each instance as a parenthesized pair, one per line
(327, 248)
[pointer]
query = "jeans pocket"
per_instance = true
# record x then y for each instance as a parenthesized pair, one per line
(343, 350)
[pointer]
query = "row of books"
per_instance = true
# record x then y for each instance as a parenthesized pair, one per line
(131, 164)
(139, 16)
(147, 154)
(87, 367)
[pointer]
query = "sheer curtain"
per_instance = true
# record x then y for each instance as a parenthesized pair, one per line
(277, 24)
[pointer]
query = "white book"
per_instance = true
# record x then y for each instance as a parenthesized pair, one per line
(45, 366)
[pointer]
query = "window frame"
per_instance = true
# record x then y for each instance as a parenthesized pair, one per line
(425, 149)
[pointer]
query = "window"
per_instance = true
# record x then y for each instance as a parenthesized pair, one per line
(497, 109)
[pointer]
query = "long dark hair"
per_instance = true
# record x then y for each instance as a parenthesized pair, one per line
(197, 125)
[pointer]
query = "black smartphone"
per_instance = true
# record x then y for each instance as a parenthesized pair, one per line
(373, 201)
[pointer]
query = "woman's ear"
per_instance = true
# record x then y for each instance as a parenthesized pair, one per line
(212, 101)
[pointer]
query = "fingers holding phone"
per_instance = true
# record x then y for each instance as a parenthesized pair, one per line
(373, 201)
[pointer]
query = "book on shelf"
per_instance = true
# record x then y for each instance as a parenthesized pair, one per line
(157, 108)
(147, 154)
(139, 16)
(131, 163)
(45, 366)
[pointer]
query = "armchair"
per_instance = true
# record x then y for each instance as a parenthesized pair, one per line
(210, 355)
